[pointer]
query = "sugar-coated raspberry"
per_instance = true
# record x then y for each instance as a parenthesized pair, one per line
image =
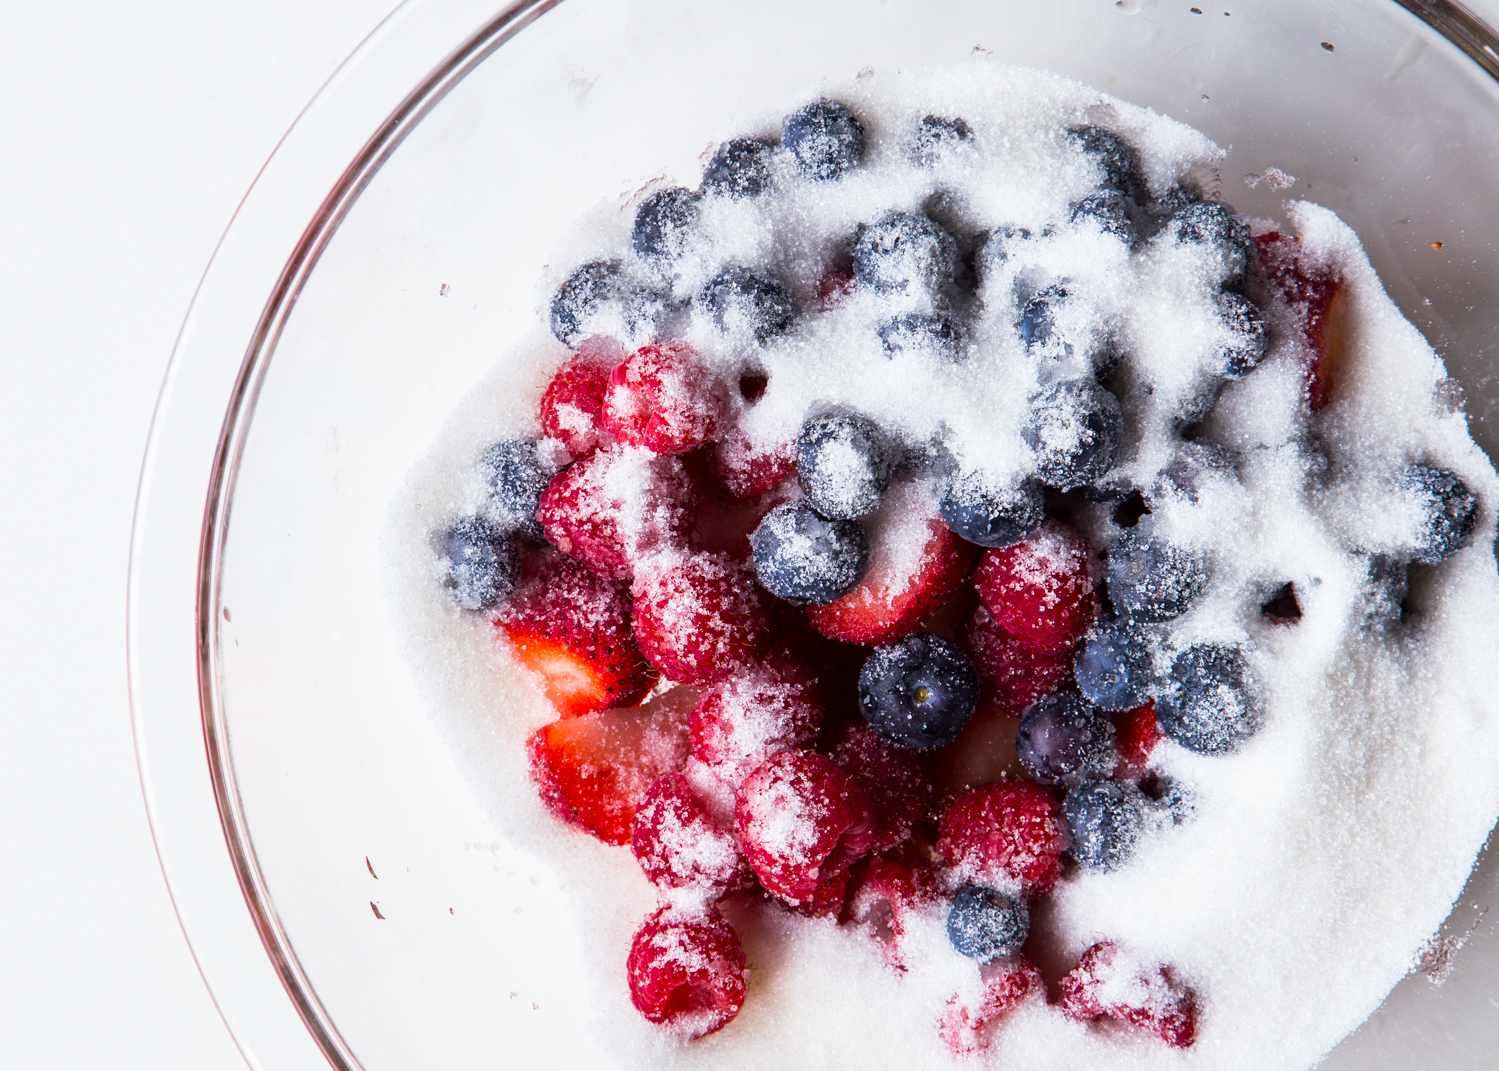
(883, 895)
(1138, 736)
(767, 707)
(698, 618)
(894, 779)
(680, 845)
(1106, 982)
(686, 971)
(664, 398)
(1040, 590)
(615, 506)
(743, 469)
(1007, 832)
(803, 823)
(968, 1023)
(1012, 673)
(572, 407)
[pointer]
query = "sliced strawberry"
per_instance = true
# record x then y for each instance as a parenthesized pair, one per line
(1039, 590)
(1316, 296)
(593, 770)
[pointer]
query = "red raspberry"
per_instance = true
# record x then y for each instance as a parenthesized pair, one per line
(741, 469)
(883, 897)
(967, 1025)
(739, 723)
(1008, 831)
(680, 845)
(1013, 673)
(1315, 296)
(803, 823)
(1106, 982)
(572, 407)
(894, 779)
(1137, 736)
(686, 971)
(1040, 590)
(663, 397)
(698, 619)
(615, 506)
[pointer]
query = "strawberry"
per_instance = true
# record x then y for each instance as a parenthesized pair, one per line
(1039, 591)
(967, 1025)
(698, 618)
(572, 406)
(664, 398)
(1013, 673)
(1011, 831)
(1316, 297)
(1106, 982)
(593, 770)
(686, 971)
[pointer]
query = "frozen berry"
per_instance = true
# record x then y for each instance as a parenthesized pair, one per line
(664, 398)
(1211, 702)
(1073, 431)
(844, 463)
(572, 407)
(516, 476)
(747, 303)
(1445, 508)
(743, 468)
(1214, 224)
(1004, 833)
(763, 709)
(680, 845)
(699, 619)
(686, 971)
(884, 896)
(1038, 321)
(663, 223)
(1106, 982)
(804, 557)
(936, 136)
(899, 790)
(937, 334)
(1040, 589)
(1109, 211)
(1012, 672)
(918, 692)
(985, 924)
(825, 138)
(739, 167)
(1114, 667)
(1151, 579)
(973, 1013)
(482, 563)
(998, 248)
(1244, 331)
(905, 254)
(1063, 739)
(1118, 160)
(1105, 818)
(989, 511)
(578, 304)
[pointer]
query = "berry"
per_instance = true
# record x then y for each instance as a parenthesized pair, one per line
(748, 303)
(844, 463)
(833, 287)
(1109, 210)
(1244, 326)
(899, 790)
(1138, 734)
(1317, 300)
(936, 137)
(615, 506)
(482, 563)
(1118, 160)
(763, 709)
(744, 469)
(1210, 703)
(1214, 224)
(1004, 833)
(516, 476)
(572, 407)
(1192, 468)
(1447, 511)
(1114, 669)
(1105, 982)
(740, 167)
(998, 248)
(884, 895)
(583, 300)
(1040, 590)
(663, 398)
(680, 845)
(905, 254)
(1151, 579)
(825, 138)
(991, 512)
(1064, 739)
(686, 971)
(571, 627)
(1073, 431)
(1106, 819)
(985, 924)
(918, 692)
(1038, 322)
(803, 823)
(699, 619)
(593, 770)
(663, 223)
(1013, 673)
(937, 334)
(972, 1013)
(803, 557)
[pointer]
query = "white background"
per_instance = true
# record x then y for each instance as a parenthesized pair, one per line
(128, 134)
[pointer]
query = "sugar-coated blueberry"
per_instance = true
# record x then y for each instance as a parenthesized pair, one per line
(1193, 466)
(1246, 343)
(937, 334)
(1214, 224)
(998, 248)
(482, 563)
(906, 254)
(1210, 703)
(664, 222)
(516, 476)
(988, 511)
(1106, 819)
(740, 167)
(1064, 739)
(918, 692)
(1073, 431)
(578, 301)
(844, 463)
(825, 138)
(985, 924)
(1038, 322)
(1114, 668)
(1152, 579)
(804, 557)
(1109, 210)
(1117, 159)
(1447, 510)
(937, 135)
(747, 301)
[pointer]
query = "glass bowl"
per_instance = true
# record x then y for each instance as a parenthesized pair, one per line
(329, 850)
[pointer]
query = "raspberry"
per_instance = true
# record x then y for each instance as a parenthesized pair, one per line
(741, 722)
(1012, 672)
(686, 971)
(680, 845)
(899, 790)
(967, 1025)
(1003, 833)
(615, 506)
(884, 896)
(803, 823)
(1040, 591)
(1105, 982)
(572, 407)
(699, 619)
(742, 469)
(662, 397)
(1138, 735)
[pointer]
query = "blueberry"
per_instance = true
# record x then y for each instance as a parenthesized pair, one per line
(1151, 579)
(579, 300)
(1110, 210)
(804, 557)
(985, 924)
(1038, 322)
(918, 692)
(1073, 430)
(998, 248)
(844, 463)
(663, 223)
(936, 136)
(1447, 508)
(1118, 159)
(1215, 224)
(1192, 467)
(740, 167)
(939, 334)
(1210, 704)
(1245, 347)
(1114, 667)
(990, 512)
(748, 301)
(516, 476)
(1106, 819)
(825, 138)
(905, 253)
(1064, 739)
(482, 563)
